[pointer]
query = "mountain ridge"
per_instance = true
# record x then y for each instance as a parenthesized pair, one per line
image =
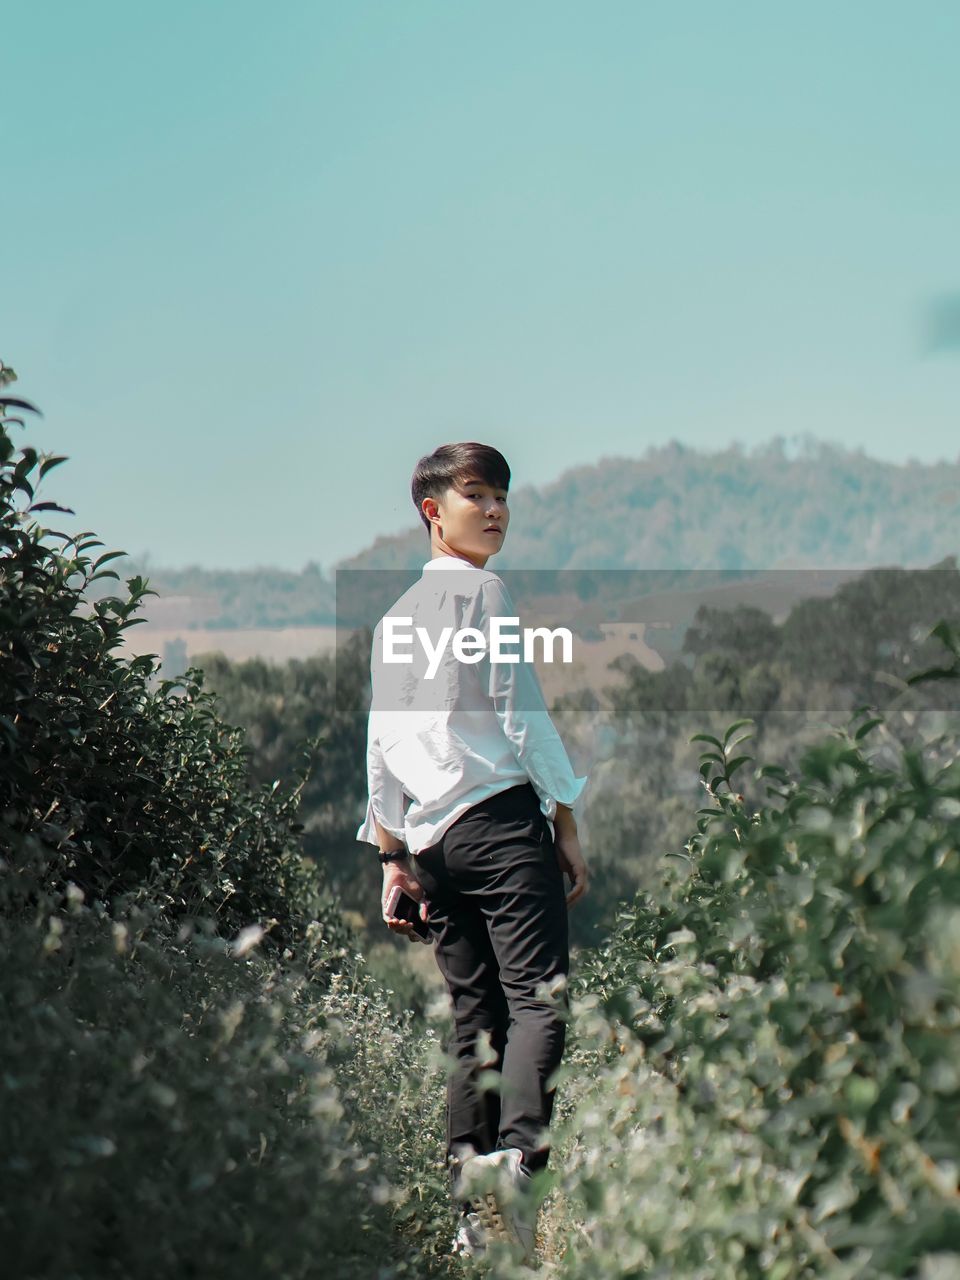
(676, 507)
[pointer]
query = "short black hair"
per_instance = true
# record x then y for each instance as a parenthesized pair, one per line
(457, 464)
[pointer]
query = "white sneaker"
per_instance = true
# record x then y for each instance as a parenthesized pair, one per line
(469, 1241)
(495, 1185)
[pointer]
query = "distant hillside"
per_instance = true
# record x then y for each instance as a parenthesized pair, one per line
(679, 508)
(674, 508)
(231, 599)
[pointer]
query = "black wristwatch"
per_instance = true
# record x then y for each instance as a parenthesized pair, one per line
(392, 855)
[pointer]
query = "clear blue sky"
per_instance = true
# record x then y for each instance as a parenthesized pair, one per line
(256, 259)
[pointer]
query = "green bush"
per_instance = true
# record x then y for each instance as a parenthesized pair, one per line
(767, 1049)
(130, 780)
(199, 1075)
(323, 700)
(169, 1108)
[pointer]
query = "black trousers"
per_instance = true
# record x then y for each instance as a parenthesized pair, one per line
(498, 915)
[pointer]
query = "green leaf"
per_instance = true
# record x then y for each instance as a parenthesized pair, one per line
(49, 461)
(866, 727)
(945, 633)
(773, 771)
(737, 724)
(835, 1195)
(935, 673)
(913, 763)
(737, 763)
(109, 555)
(11, 401)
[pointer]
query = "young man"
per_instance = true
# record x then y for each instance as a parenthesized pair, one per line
(470, 804)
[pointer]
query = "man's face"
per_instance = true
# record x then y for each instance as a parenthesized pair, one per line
(473, 519)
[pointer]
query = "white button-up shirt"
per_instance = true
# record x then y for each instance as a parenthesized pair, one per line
(436, 747)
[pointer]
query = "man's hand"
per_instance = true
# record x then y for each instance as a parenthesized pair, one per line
(399, 873)
(566, 842)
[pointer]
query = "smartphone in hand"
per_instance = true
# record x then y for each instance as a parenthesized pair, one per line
(400, 904)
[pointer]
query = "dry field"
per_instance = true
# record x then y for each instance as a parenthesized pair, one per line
(650, 627)
(179, 647)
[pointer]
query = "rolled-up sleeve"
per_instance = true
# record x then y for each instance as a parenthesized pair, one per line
(385, 799)
(522, 711)
(385, 795)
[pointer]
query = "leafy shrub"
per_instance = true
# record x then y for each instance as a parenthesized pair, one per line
(391, 1072)
(767, 1048)
(830, 655)
(179, 996)
(323, 700)
(130, 780)
(168, 1104)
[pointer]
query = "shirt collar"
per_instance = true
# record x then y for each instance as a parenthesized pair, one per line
(450, 562)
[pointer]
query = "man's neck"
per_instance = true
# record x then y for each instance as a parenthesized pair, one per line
(438, 549)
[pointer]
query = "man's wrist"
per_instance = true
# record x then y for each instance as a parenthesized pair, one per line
(399, 869)
(389, 856)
